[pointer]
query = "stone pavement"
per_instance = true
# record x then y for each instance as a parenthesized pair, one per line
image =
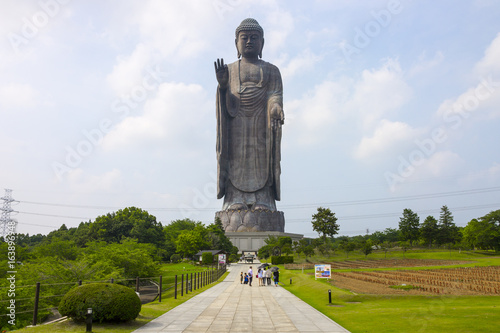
(233, 307)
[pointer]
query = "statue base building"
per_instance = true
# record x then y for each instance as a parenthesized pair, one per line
(248, 229)
(251, 220)
(253, 241)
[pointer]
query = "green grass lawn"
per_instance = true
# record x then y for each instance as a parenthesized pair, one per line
(394, 313)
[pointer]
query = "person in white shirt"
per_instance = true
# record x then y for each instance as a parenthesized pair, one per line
(250, 276)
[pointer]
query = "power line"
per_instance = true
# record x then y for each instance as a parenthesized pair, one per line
(52, 215)
(380, 215)
(300, 206)
(386, 200)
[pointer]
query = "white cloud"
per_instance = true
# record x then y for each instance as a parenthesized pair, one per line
(318, 110)
(159, 23)
(173, 113)
(18, 95)
(301, 63)
(490, 175)
(379, 93)
(489, 63)
(386, 137)
(278, 25)
(425, 64)
(128, 72)
(442, 163)
(82, 182)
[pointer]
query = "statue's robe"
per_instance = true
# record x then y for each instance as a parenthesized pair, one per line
(248, 145)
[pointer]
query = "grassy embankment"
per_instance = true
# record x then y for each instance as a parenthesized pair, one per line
(395, 313)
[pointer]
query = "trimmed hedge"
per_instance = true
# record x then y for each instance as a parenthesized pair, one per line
(277, 260)
(109, 302)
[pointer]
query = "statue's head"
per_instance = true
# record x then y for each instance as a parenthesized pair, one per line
(249, 38)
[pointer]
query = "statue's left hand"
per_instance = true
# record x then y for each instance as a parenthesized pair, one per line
(277, 115)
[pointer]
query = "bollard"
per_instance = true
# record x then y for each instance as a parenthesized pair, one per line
(89, 320)
(175, 287)
(37, 297)
(290, 280)
(161, 289)
(329, 296)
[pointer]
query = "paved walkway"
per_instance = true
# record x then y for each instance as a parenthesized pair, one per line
(232, 307)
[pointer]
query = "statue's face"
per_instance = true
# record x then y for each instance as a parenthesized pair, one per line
(249, 43)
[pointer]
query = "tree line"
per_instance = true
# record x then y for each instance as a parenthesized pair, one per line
(482, 233)
(122, 244)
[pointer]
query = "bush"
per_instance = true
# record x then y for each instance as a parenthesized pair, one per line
(234, 258)
(207, 258)
(175, 258)
(277, 260)
(109, 302)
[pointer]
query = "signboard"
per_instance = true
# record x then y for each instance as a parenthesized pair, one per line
(322, 271)
(222, 259)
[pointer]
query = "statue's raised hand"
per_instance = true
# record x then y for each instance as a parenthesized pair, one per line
(222, 73)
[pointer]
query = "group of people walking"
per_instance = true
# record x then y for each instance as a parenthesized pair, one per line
(264, 275)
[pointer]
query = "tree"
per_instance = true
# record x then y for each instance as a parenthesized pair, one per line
(286, 249)
(130, 222)
(207, 258)
(347, 246)
(265, 251)
(378, 237)
(172, 232)
(62, 249)
(408, 226)
(324, 222)
(366, 247)
(129, 258)
(447, 230)
(308, 251)
(385, 246)
(493, 219)
(429, 230)
(405, 246)
(484, 233)
(190, 242)
(392, 235)
(217, 239)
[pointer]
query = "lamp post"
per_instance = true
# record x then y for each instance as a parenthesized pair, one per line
(89, 320)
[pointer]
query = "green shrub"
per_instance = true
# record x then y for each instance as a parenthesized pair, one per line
(109, 302)
(277, 260)
(175, 258)
(207, 258)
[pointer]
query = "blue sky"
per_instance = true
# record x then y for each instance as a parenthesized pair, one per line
(388, 105)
